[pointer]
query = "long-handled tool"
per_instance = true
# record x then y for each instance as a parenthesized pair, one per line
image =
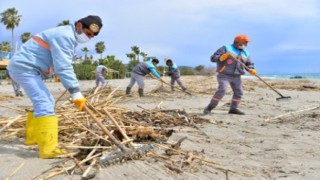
(177, 88)
(116, 155)
(282, 97)
(152, 76)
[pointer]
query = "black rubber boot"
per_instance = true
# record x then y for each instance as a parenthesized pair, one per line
(208, 109)
(236, 111)
(141, 92)
(128, 90)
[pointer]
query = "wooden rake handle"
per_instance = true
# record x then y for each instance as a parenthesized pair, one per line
(247, 68)
(104, 129)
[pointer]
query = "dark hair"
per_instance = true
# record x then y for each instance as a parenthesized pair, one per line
(168, 60)
(155, 60)
(87, 21)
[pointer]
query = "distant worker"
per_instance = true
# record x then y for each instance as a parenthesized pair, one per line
(141, 70)
(100, 73)
(230, 71)
(174, 73)
(16, 87)
(50, 49)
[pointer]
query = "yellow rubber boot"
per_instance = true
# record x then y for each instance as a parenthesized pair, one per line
(46, 133)
(30, 125)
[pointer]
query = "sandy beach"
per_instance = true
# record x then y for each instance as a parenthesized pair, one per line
(274, 140)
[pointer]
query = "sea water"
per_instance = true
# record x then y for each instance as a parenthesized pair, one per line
(292, 76)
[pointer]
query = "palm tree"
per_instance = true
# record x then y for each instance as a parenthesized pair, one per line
(85, 50)
(100, 48)
(64, 23)
(136, 51)
(11, 19)
(144, 55)
(5, 46)
(131, 56)
(25, 37)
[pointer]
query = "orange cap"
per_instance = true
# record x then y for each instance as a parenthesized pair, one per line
(242, 37)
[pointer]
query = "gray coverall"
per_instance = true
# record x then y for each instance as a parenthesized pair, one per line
(174, 73)
(138, 73)
(101, 71)
(229, 72)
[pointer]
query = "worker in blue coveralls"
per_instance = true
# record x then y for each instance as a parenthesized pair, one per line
(100, 73)
(230, 71)
(52, 49)
(174, 73)
(141, 70)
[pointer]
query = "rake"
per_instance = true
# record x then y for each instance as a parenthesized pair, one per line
(282, 97)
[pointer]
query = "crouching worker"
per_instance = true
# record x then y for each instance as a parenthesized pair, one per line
(50, 49)
(101, 71)
(174, 73)
(230, 71)
(141, 70)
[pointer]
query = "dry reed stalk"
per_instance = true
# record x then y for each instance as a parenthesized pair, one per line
(185, 153)
(97, 93)
(15, 171)
(12, 108)
(58, 99)
(292, 113)
(9, 124)
(87, 147)
(71, 167)
(122, 131)
(87, 171)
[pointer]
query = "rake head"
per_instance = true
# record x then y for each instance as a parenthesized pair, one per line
(284, 98)
(121, 156)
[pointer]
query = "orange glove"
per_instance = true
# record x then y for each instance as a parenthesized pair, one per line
(161, 80)
(252, 72)
(80, 103)
(79, 100)
(224, 56)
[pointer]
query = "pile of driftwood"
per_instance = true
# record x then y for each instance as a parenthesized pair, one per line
(105, 131)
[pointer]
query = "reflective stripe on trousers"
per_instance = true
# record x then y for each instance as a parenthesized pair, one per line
(224, 81)
(42, 100)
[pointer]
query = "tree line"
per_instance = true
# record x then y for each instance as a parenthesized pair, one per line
(85, 66)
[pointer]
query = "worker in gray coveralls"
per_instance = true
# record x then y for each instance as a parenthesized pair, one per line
(141, 70)
(230, 71)
(174, 73)
(101, 71)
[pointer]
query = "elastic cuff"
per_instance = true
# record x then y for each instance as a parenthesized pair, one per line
(74, 90)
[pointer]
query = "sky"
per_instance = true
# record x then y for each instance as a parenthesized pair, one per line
(285, 34)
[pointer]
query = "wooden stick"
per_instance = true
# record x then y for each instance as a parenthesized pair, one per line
(12, 108)
(15, 171)
(292, 113)
(85, 174)
(92, 95)
(71, 167)
(118, 127)
(9, 124)
(87, 147)
(190, 157)
(58, 99)
(104, 129)
(182, 152)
